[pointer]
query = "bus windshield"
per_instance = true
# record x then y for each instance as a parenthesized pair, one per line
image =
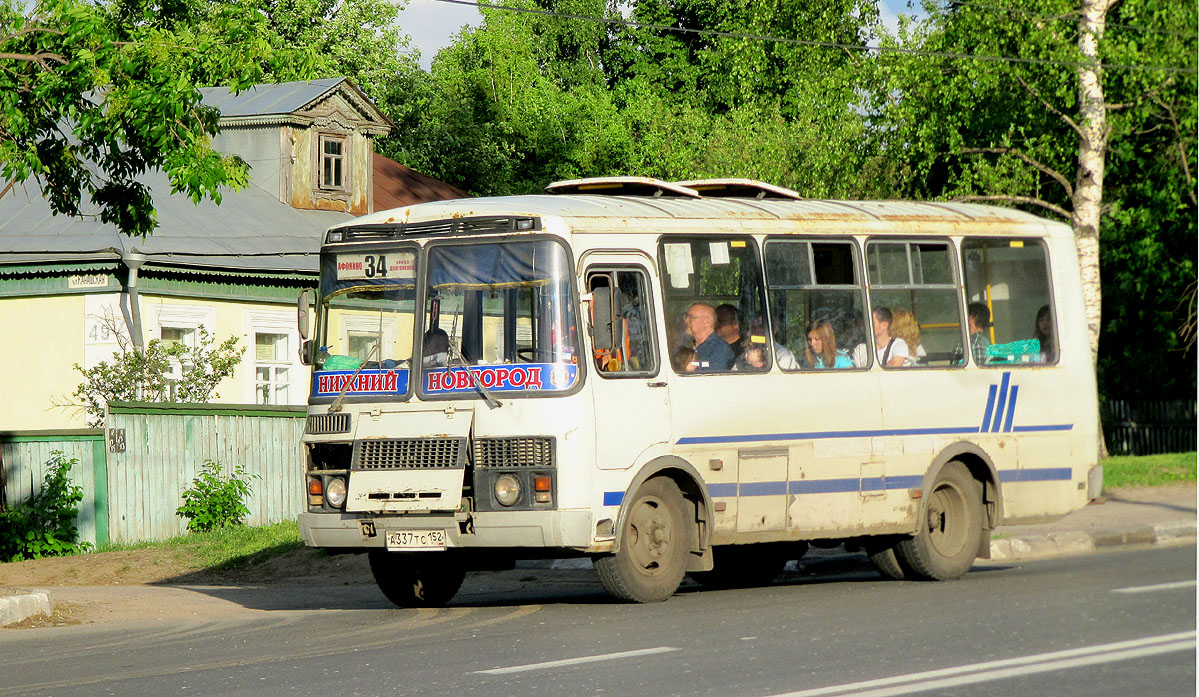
(366, 312)
(504, 307)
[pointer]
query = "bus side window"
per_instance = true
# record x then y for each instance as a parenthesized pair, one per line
(816, 304)
(621, 323)
(719, 276)
(1007, 283)
(914, 296)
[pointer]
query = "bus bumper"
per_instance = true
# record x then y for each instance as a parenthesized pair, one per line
(543, 529)
(1094, 482)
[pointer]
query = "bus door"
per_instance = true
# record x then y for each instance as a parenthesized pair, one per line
(632, 406)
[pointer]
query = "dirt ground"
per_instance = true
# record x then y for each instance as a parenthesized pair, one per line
(172, 566)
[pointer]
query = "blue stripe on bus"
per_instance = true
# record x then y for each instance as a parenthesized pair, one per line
(987, 412)
(763, 489)
(1044, 474)
(818, 435)
(1047, 427)
(997, 420)
(1011, 410)
(724, 490)
(613, 498)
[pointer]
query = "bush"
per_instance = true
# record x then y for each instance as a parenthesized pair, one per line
(43, 525)
(216, 501)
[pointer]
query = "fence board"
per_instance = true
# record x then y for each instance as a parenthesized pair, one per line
(25, 456)
(172, 443)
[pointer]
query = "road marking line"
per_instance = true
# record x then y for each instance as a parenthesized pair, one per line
(576, 661)
(1006, 668)
(1158, 587)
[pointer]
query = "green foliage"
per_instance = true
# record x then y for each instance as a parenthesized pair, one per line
(527, 99)
(216, 500)
(1148, 470)
(43, 525)
(145, 375)
(954, 128)
(93, 96)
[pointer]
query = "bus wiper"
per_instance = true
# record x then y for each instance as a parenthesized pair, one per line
(492, 402)
(336, 405)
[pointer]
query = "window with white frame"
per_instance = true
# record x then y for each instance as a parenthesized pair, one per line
(276, 376)
(180, 324)
(334, 151)
(172, 336)
(272, 368)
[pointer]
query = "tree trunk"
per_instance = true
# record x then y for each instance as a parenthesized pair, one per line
(1092, 154)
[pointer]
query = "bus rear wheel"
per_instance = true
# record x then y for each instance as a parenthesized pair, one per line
(946, 543)
(655, 539)
(429, 579)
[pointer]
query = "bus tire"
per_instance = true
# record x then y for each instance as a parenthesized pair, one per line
(882, 556)
(411, 582)
(654, 544)
(946, 543)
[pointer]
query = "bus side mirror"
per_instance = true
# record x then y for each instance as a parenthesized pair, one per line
(306, 352)
(302, 314)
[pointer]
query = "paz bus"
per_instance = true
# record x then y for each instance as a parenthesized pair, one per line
(690, 378)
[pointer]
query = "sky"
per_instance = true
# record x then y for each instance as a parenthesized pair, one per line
(432, 24)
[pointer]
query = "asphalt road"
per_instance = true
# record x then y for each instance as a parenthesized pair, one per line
(1092, 625)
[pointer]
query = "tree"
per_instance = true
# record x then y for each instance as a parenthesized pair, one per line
(94, 95)
(527, 98)
(1077, 81)
(159, 372)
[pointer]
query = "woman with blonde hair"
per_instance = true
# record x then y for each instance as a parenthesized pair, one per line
(822, 347)
(904, 326)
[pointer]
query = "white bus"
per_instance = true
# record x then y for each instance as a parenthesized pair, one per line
(691, 378)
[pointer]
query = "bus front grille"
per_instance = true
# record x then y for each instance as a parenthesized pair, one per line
(514, 452)
(324, 424)
(409, 453)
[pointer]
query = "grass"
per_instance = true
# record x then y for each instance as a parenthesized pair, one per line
(229, 548)
(1148, 470)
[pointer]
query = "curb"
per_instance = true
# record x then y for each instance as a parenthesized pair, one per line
(16, 608)
(1062, 543)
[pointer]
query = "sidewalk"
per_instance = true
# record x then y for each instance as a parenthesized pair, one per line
(1157, 515)
(1153, 515)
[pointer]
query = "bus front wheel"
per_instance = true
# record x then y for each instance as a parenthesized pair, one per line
(407, 581)
(947, 541)
(654, 544)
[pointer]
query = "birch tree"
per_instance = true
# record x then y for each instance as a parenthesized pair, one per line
(1015, 105)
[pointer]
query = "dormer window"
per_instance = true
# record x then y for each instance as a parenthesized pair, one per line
(333, 154)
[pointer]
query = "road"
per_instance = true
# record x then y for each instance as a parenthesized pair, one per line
(1115, 623)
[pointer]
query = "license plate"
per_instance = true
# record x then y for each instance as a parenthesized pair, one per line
(408, 540)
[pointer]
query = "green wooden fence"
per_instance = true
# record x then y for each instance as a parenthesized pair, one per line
(133, 472)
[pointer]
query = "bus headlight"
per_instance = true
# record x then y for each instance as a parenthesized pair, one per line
(507, 489)
(335, 492)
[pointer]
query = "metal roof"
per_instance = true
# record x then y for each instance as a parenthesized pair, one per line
(621, 212)
(268, 100)
(251, 230)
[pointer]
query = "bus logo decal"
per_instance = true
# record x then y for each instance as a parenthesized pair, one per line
(994, 417)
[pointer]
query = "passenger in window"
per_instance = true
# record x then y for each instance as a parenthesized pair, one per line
(1043, 332)
(728, 326)
(904, 326)
(754, 358)
(713, 352)
(892, 351)
(978, 318)
(684, 360)
(436, 353)
(822, 347)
